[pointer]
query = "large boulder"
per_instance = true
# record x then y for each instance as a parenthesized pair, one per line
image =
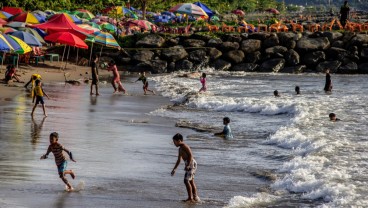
(336, 53)
(253, 57)
(312, 44)
(247, 67)
(174, 53)
(229, 46)
(250, 45)
(276, 50)
(172, 42)
(285, 37)
(235, 56)
(350, 68)
(194, 43)
(199, 36)
(232, 38)
(213, 53)
(142, 56)
(272, 65)
(333, 36)
(338, 44)
(153, 66)
(151, 41)
(197, 56)
(313, 58)
(364, 53)
(332, 65)
(292, 58)
(216, 43)
(363, 68)
(271, 41)
(359, 40)
(183, 65)
(259, 36)
(293, 69)
(220, 64)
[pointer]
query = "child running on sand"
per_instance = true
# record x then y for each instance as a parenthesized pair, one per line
(60, 160)
(226, 133)
(203, 81)
(112, 67)
(143, 78)
(38, 94)
(94, 71)
(190, 167)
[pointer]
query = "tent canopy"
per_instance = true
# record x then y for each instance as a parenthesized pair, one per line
(205, 8)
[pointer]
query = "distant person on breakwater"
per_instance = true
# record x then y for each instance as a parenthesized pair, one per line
(332, 117)
(276, 93)
(112, 67)
(203, 81)
(94, 71)
(344, 12)
(226, 133)
(328, 83)
(185, 153)
(143, 78)
(297, 90)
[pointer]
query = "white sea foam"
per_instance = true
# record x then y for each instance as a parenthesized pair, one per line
(258, 200)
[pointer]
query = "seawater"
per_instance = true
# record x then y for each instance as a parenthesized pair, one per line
(313, 161)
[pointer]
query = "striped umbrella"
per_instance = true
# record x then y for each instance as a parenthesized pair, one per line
(103, 39)
(27, 38)
(28, 17)
(4, 47)
(95, 25)
(85, 14)
(34, 33)
(24, 47)
(189, 9)
(7, 30)
(107, 26)
(5, 15)
(88, 27)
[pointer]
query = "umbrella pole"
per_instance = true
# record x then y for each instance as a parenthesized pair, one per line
(76, 62)
(62, 59)
(101, 51)
(67, 57)
(18, 62)
(90, 55)
(2, 60)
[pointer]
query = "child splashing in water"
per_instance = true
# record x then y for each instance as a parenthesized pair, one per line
(143, 78)
(203, 81)
(60, 160)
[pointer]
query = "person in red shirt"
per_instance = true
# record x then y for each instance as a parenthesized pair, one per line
(11, 74)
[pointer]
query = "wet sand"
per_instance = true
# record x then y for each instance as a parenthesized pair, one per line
(124, 155)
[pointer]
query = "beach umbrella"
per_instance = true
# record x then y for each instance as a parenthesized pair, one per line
(12, 10)
(27, 38)
(215, 18)
(189, 9)
(28, 17)
(69, 39)
(273, 11)
(41, 13)
(144, 24)
(104, 39)
(88, 27)
(107, 26)
(2, 22)
(50, 12)
(5, 15)
(4, 47)
(7, 30)
(95, 25)
(167, 13)
(34, 33)
(16, 24)
(238, 12)
(19, 46)
(82, 13)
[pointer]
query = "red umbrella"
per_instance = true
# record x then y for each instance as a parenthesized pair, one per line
(273, 11)
(12, 10)
(67, 38)
(3, 22)
(238, 12)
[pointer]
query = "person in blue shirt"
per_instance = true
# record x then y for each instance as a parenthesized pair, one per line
(226, 133)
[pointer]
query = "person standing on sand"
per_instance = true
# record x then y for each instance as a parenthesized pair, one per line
(344, 12)
(38, 94)
(143, 78)
(94, 71)
(60, 160)
(112, 67)
(185, 153)
(328, 83)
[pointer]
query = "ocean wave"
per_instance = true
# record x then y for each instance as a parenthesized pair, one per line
(257, 200)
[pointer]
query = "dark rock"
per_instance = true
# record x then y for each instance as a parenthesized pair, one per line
(173, 42)
(336, 53)
(220, 64)
(338, 44)
(194, 43)
(250, 45)
(244, 36)
(271, 41)
(347, 37)
(272, 65)
(332, 36)
(358, 40)
(247, 67)
(276, 49)
(197, 56)
(142, 56)
(290, 44)
(313, 58)
(216, 43)
(183, 65)
(350, 68)
(259, 36)
(125, 60)
(253, 57)
(363, 68)
(292, 58)
(332, 65)
(294, 69)
(174, 53)
(312, 44)
(214, 53)
(171, 67)
(232, 38)
(285, 37)
(364, 53)
(199, 36)
(151, 41)
(158, 66)
(229, 46)
(235, 56)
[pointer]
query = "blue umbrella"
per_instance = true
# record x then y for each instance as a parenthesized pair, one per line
(27, 38)
(4, 44)
(12, 42)
(170, 14)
